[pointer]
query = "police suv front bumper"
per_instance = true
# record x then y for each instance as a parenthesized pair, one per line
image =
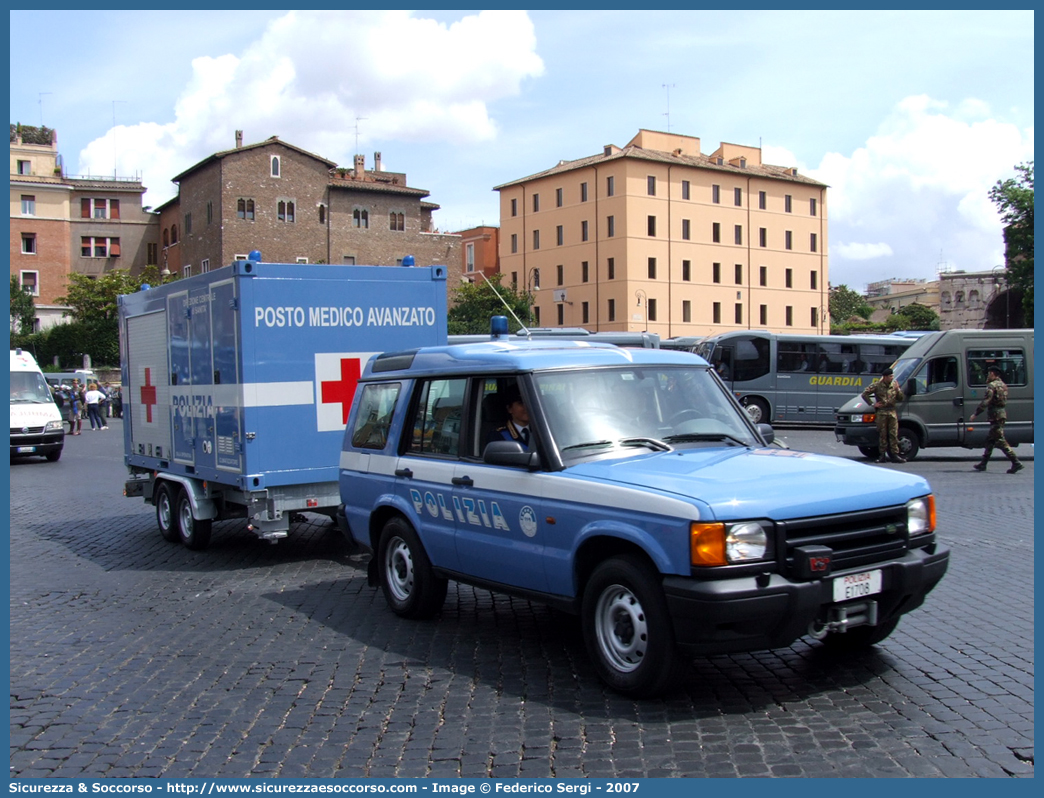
(753, 613)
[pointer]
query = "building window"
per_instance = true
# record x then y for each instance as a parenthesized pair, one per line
(28, 243)
(651, 184)
(763, 310)
(188, 224)
(583, 192)
(763, 236)
(790, 316)
(514, 279)
(560, 274)
(535, 277)
(737, 194)
(610, 186)
(812, 206)
(25, 167)
(285, 212)
(716, 232)
(514, 207)
(584, 272)
(612, 310)
(348, 260)
(686, 231)
(739, 234)
(536, 239)
(790, 278)
(611, 269)
(685, 189)
(812, 242)
(715, 272)
(204, 267)
(397, 222)
(739, 274)
(166, 238)
(610, 227)
(152, 254)
(30, 282)
(762, 200)
(716, 194)
(788, 239)
(100, 247)
(739, 313)
(469, 257)
(536, 316)
(716, 312)
(652, 225)
(559, 235)
(536, 203)
(651, 310)
(763, 276)
(686, 271)
(585, 312)
(360, 218)
(245, 209)
(186, 271)
(583, 231)
(275, 166)
(514, 243)
(813, 280)
(786, 203)
(561, 314)
(322, 214)
(815, 317)
(173, 234)
(28, 205)
(652, 268)
(99, 208)
(558, 198)
(686, 310)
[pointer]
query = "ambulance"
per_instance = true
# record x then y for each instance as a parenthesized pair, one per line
(36, 421)
(238, 383)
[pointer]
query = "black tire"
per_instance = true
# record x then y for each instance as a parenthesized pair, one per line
(757, 409)
(860, 638)
(407, 579)
(165, 512)
(627, 628)
(54, 457)
(909, 443)
(871, 452)
(194, 533)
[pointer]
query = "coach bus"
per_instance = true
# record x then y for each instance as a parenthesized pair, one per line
(799, 378)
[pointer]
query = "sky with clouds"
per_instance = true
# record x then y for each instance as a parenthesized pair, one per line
(909, 117)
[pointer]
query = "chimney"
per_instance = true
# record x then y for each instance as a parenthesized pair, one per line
(360, 166)
(377, 162)
(239, 139)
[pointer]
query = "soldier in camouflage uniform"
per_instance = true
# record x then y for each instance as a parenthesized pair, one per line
(886, 395)
(993, 403)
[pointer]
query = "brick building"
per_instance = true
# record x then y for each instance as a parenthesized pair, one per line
(657, 236)
(479, 252)
(295, 206)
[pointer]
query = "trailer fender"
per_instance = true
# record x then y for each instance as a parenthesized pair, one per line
(202, 508)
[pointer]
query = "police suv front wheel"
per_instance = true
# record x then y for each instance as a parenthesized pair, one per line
(408, 581)
(627, 628)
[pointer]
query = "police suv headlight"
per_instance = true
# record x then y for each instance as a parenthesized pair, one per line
(727, 544)
(54, 426)
(920, 515)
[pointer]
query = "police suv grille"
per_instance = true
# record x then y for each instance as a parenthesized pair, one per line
(856, 538)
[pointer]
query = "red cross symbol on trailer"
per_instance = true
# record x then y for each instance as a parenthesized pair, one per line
(148, 395)
(343, 390)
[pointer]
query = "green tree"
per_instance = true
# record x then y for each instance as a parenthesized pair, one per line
(474, 303)
(913, 317)
(23, 309)
(1014, 199)
(846, 303)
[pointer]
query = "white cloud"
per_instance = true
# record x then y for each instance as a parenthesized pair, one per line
(919, 190)
(313, 74)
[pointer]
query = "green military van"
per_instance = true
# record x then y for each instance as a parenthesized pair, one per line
(944, 378)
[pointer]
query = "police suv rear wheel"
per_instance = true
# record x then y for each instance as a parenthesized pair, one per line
(194, 533)
(408, 581)
(627, 628)
(164, 501)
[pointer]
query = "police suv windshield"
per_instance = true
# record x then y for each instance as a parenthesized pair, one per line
(654, 407)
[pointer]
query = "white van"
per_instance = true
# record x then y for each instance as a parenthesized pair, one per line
(36, 421)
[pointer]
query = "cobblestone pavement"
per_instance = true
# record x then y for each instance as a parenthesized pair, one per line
(131, 656)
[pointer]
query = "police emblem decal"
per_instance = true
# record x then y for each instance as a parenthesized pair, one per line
(527, 520)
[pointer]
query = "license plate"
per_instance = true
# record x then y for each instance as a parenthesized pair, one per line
(856, 586)
(26, 449)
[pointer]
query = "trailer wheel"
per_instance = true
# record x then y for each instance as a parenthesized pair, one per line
(164, 501)
(408, 581)
(627, 629)
(194, 533)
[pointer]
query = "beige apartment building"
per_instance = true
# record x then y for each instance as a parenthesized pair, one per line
(658, 237)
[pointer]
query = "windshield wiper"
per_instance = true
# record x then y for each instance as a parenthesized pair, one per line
(587, 445)
(652, 443)
(706, 436)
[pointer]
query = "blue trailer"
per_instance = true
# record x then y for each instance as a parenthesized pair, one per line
(239, 382)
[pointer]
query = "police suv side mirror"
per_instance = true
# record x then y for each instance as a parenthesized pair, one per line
(510, 453)
(767, 433)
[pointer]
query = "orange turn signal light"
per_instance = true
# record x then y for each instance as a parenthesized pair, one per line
(707, 544)
(931, 512)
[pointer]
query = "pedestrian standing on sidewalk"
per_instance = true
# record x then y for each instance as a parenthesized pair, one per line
(94, 399)
(886, 394)
(75, 403)
(994, 403)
